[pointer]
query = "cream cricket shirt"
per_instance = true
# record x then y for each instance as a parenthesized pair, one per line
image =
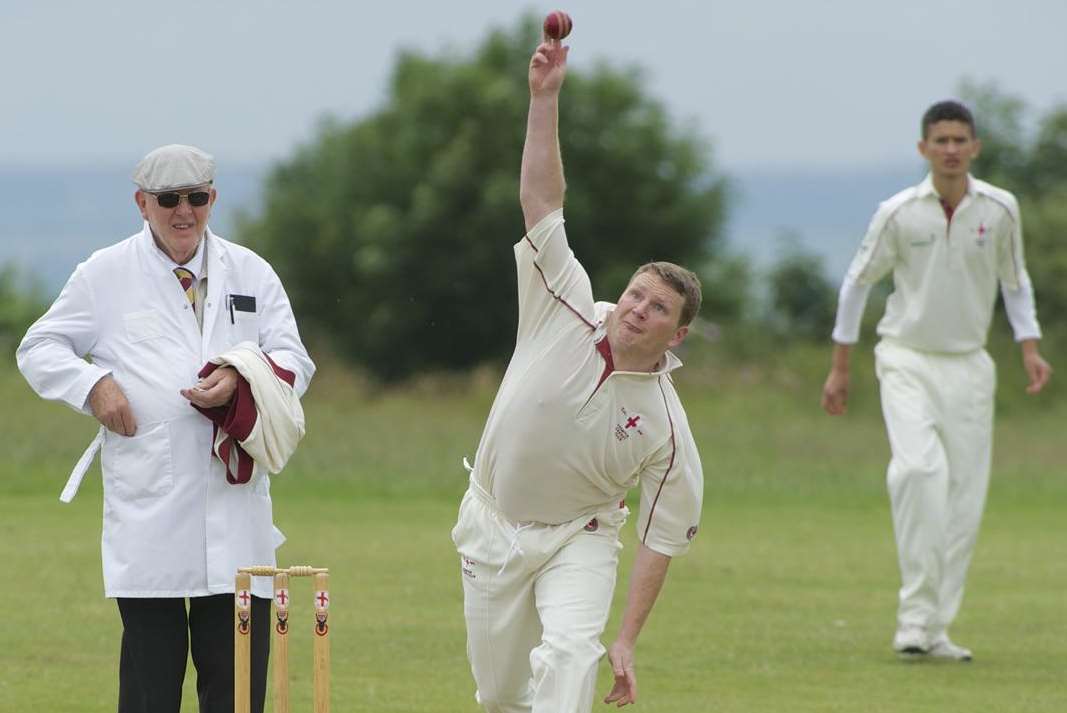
(945, 270)
(567, 436)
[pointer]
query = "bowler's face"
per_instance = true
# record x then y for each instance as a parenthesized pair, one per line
(646, 316)
(178, 230)
(949, 147)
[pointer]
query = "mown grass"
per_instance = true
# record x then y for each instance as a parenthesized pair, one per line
(784, 604)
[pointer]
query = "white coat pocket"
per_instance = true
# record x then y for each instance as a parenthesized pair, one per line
(246, 327)
(244, 318)
(139, 466)
(143, 325)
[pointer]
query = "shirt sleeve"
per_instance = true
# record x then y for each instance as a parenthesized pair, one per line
(877, 254)
(52, 354)
(551, 281)
(1011, 265)
(672, 493)
(851, 301)
(1022, 313)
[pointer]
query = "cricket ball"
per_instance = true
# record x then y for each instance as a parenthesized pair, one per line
(558, 25)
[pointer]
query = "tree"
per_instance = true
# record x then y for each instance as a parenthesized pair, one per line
(1033, 165)
(393, 233)
(21, 302)
(803, 302)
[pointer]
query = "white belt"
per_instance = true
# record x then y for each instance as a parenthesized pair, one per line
(78, 474)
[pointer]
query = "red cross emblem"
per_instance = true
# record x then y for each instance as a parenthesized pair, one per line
(981, 230)
(243, 597)
(282, 597)
(632, 421)
(322, 599)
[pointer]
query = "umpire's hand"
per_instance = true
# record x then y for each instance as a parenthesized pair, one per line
(111, 408)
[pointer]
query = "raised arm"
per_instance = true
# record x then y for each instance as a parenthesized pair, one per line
(541, 183)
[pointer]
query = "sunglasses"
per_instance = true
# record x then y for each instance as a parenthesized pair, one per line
(171, 199)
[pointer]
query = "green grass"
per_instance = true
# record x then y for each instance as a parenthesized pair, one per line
(785, 603)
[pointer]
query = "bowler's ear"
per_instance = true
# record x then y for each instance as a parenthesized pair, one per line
(679, 337)
(921, 146)
(140, 199)
(977, 148)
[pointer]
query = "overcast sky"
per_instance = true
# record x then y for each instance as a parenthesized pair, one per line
(778, 83)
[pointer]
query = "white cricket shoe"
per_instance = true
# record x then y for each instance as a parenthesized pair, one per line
(911, 641)
(944, 648)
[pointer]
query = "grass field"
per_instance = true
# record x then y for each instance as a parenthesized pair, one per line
(785, 603)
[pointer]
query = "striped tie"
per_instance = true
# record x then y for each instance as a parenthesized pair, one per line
(187, 281)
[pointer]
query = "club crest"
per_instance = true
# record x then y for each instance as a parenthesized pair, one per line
(628, 424)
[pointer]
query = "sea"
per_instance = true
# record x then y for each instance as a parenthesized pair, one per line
(52, 218)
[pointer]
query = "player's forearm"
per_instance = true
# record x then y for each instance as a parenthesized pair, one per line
(541, 184)
(649, 573)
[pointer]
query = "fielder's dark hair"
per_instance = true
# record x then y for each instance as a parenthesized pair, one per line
(947, 111)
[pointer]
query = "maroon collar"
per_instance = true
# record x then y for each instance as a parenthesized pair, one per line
(604, 347)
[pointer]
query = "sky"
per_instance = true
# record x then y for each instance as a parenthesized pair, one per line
(780, 84)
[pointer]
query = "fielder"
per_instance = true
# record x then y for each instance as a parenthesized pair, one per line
(948, 241)
(586, 410)
(148, 312)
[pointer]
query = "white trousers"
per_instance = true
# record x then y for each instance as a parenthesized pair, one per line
(938, 411)
(536, 601)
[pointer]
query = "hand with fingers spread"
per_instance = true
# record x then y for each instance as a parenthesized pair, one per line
(111, 408)
(548, 67)
(621, 656)
(215, 389)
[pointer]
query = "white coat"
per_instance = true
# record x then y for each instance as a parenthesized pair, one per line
(173, 526)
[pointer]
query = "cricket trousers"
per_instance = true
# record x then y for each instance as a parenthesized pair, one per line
(938, 411)
(159, 634)
(536, 600)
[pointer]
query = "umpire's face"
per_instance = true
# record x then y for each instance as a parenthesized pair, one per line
(178, 227)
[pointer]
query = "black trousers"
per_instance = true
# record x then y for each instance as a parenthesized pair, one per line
(156, 638)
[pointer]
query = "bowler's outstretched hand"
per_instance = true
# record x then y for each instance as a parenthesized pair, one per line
(548, 66)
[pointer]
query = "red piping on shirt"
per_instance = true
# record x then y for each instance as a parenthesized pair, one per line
(1011, 216)
(554, 295)
(670, 465)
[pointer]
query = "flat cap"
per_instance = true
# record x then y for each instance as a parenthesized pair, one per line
(173, 167)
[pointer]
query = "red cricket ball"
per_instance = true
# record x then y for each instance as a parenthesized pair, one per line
(558, 25)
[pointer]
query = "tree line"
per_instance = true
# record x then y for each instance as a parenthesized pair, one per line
(392, 231)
